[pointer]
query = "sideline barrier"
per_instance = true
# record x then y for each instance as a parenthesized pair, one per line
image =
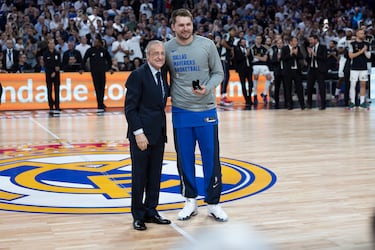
(27, 91)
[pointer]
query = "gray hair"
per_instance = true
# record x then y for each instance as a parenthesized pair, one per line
(152, 42)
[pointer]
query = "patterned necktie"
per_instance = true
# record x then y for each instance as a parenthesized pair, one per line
(161, 88)
(10, 55)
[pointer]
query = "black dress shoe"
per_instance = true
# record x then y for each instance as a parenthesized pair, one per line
(157, 219)
(139, 225)
(322, 108)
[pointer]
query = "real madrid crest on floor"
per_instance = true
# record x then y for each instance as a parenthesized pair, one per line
(96, 178)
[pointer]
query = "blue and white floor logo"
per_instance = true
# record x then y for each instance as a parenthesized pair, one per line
(94, 178)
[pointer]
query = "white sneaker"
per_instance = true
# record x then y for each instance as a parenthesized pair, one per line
(217, 212)
(190, 209)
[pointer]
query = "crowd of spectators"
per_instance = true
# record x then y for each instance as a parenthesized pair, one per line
(127, 26)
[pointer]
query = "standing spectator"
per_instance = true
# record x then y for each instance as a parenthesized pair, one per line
(133, 45)
(52, 63)
(61, 45)
(94, 18)
(100, 62)
(317, 61)
(119, 49)
(31, 50)
(146, 96)
(291, 56)
(359, 53)
(54, 24)
(83, 25)
(146, 8)
(194, 114)
(165, 36)
(118, 27)
(164, 24)
(243, 57)
(82, 47)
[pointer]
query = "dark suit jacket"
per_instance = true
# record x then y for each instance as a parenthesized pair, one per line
(240, 60)
(15, 55)
(321, 58)
(144, 106)
(288, 60)
(71, 67)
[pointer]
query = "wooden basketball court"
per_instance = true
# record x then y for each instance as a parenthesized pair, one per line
(323, 198)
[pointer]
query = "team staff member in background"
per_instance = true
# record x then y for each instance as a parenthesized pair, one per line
(1, 92)
(52, 61)
(145, 101)
(100, 62)
(276, 68)
(193, 58)
(317, 60)
(260, 67)
(227, 53)
(243, 57)
(359, 53)
(291, 57)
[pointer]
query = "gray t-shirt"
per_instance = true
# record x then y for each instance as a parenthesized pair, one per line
(198, 60)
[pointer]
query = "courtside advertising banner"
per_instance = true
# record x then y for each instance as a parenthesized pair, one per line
(27, 91)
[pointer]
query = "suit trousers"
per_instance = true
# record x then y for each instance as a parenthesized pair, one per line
(293, 76)
(146, 175)
(314, 75)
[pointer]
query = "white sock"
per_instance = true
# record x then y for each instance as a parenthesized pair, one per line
(362, 99)
(352, 91)
(255, 87)
(266, 87)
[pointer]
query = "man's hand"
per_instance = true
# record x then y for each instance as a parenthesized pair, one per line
(200, 91)
(142, 141)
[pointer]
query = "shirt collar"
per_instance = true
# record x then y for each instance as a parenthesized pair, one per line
(153, 70)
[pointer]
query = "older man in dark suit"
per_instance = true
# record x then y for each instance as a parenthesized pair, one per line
(145, 100)
(317, 60)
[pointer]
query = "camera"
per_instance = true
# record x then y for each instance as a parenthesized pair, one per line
(196, 85)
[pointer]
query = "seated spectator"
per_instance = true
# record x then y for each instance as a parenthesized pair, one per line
(115, 65)
(40, 67)
(10, 57)
(23, 67)
(72, 59)
(137, 62)
(127, 65)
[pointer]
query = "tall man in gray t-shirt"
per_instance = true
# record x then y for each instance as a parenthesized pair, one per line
(191, 58)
